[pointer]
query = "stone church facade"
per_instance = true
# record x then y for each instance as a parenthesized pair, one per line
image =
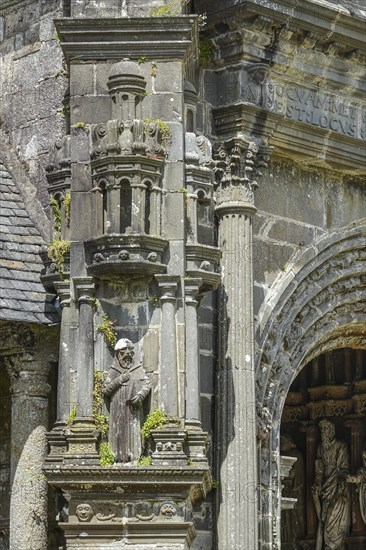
(182, 274)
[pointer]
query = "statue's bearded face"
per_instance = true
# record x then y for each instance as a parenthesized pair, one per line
(125, 357)
(327, 433)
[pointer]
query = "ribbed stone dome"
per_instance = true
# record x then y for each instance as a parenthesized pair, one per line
(126, 76)
(125, 67)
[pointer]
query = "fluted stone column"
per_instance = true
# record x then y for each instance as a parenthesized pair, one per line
(56, 437)
(237, 515)
(29, 418)
(168, 286)
(193, 406)
(63, 383)
(85, 348)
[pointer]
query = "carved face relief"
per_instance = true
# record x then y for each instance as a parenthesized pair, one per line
(168, 510)
(84, 512)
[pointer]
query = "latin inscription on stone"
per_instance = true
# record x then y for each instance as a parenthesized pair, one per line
(309, 106)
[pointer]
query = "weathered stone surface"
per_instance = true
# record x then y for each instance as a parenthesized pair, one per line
(273, 81)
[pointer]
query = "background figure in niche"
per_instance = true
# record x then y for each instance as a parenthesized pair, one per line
(360, 480)
(127, 386)
(331, 491)
(293, 521)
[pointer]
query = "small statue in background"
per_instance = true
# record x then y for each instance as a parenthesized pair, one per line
(360, 480)
(293, 521)
(331, 492)
(127, 386)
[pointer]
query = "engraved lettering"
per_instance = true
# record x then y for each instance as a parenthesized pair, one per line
(323, 121)
(334, 124)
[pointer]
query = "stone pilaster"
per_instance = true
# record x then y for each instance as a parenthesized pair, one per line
(168, 286)
(82, 438)
(236, 428)
(56, 438)
(29, 418)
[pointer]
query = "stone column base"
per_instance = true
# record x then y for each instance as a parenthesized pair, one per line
(56, 440)
(196, 446)
(82, 442)
(169, 443)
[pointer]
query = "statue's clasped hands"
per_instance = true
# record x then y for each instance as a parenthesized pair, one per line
(136, 400)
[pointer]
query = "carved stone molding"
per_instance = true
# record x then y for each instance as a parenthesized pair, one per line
(128, 37)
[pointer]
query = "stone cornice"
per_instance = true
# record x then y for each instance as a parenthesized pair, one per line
(332, 22)
(133, 477)
(132, 37)
(298, 139)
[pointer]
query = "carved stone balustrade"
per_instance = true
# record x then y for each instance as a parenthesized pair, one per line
(109, 255)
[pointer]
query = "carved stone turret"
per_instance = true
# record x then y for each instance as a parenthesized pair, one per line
(127, 162)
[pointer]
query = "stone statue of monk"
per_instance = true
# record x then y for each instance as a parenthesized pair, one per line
(127, 386)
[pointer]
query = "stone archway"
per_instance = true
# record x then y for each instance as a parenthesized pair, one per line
(317, 305)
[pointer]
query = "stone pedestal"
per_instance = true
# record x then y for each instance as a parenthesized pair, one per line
(128, 507)
(29, 419)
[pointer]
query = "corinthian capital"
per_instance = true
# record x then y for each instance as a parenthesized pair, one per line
(239, 164)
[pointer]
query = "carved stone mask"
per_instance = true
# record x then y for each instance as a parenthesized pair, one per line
(84, 512)
(168, 510)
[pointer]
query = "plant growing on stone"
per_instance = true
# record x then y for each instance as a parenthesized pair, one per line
(57, 252)
(101, 420)
(107, 457)
(144, 461)
(67, 204)
(170, 9)
(154, 301)
(56, 211)
(155, 419)
(79, 125)
(71, 416)
(109, 333)
(165, 131)
(205, 51)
